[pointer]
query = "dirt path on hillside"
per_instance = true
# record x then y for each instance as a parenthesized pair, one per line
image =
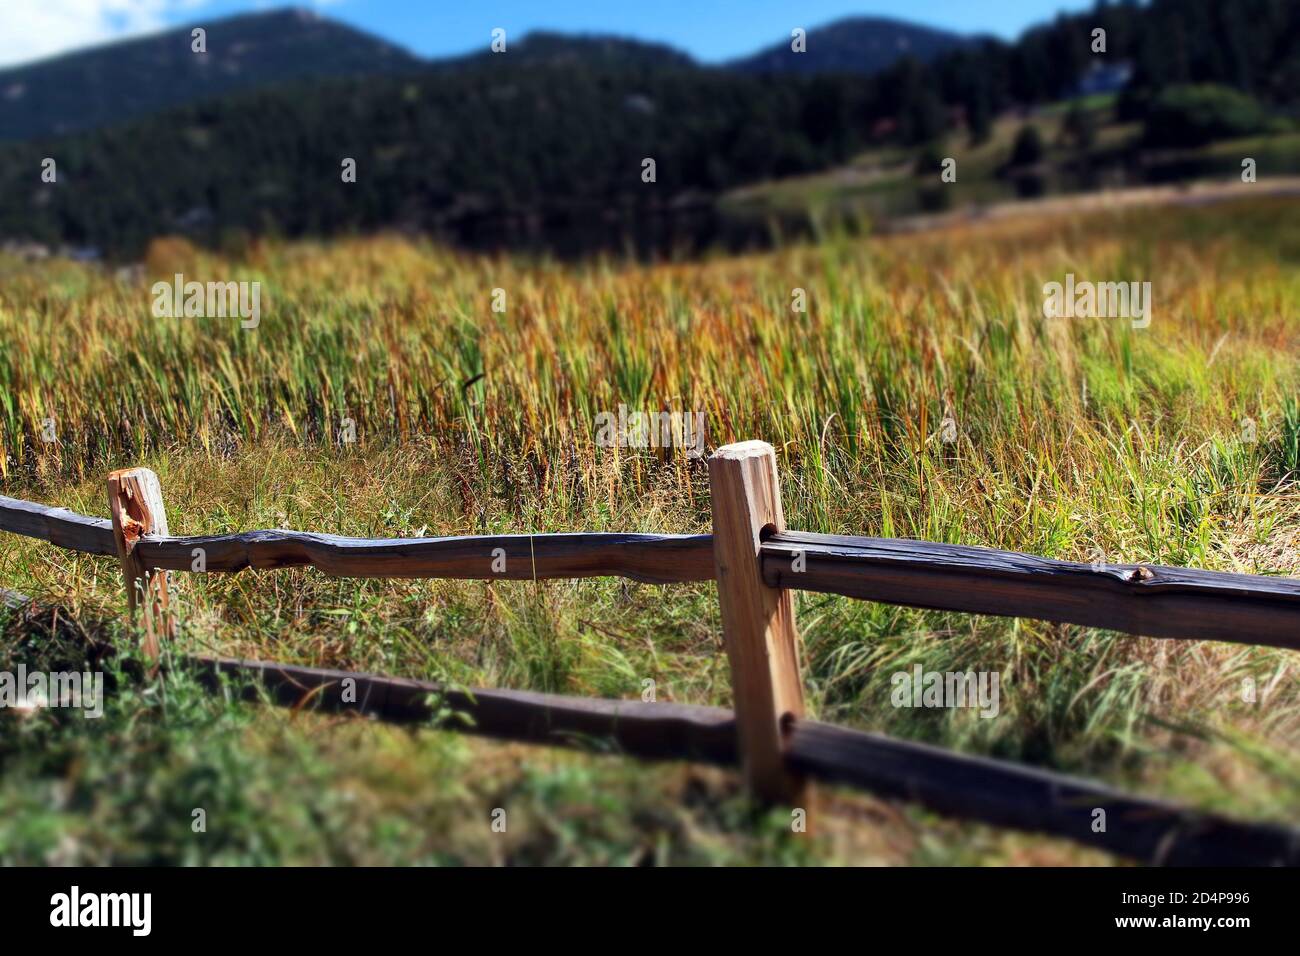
(1193, 194)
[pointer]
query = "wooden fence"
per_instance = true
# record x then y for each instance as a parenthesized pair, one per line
(756, 563)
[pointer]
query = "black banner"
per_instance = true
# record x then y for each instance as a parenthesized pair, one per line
(334, 907)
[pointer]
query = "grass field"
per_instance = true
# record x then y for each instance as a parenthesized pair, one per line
(1175, 444)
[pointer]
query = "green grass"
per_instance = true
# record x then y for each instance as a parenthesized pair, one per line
(471, 421)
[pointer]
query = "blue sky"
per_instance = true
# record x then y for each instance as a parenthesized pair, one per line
(708, 29)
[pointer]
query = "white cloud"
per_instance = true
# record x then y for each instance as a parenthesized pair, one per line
(32, 29)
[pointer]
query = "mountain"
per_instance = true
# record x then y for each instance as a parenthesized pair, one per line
(119, 81)
(863, 45)
(107, 85)
(545, 48)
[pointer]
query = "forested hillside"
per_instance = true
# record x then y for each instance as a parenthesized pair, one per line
(562, 127)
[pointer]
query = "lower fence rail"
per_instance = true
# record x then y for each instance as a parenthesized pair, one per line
(980, 789)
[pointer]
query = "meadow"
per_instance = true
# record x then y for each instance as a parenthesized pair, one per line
(1176, 444)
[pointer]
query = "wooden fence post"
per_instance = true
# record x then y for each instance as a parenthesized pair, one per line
(135, 502)
(757, 621)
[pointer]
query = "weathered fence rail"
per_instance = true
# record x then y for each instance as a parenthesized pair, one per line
(756, 562)
(1141, 599)
(973, 788)
(59, 526)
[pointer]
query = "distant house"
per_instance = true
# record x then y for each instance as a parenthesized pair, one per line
(1104, 78)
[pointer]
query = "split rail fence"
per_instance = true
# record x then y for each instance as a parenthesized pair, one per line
(756, 562)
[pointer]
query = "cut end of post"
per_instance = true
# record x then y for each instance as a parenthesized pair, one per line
(135, 499)
(136, 505)
(758, 623)
(745, 449)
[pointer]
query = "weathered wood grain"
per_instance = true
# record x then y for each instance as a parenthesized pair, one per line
(1146, 600)
(59, 526)
(135, 501)
(652, 558)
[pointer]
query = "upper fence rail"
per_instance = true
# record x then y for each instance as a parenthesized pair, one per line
(59, 526)
(1140, 599)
